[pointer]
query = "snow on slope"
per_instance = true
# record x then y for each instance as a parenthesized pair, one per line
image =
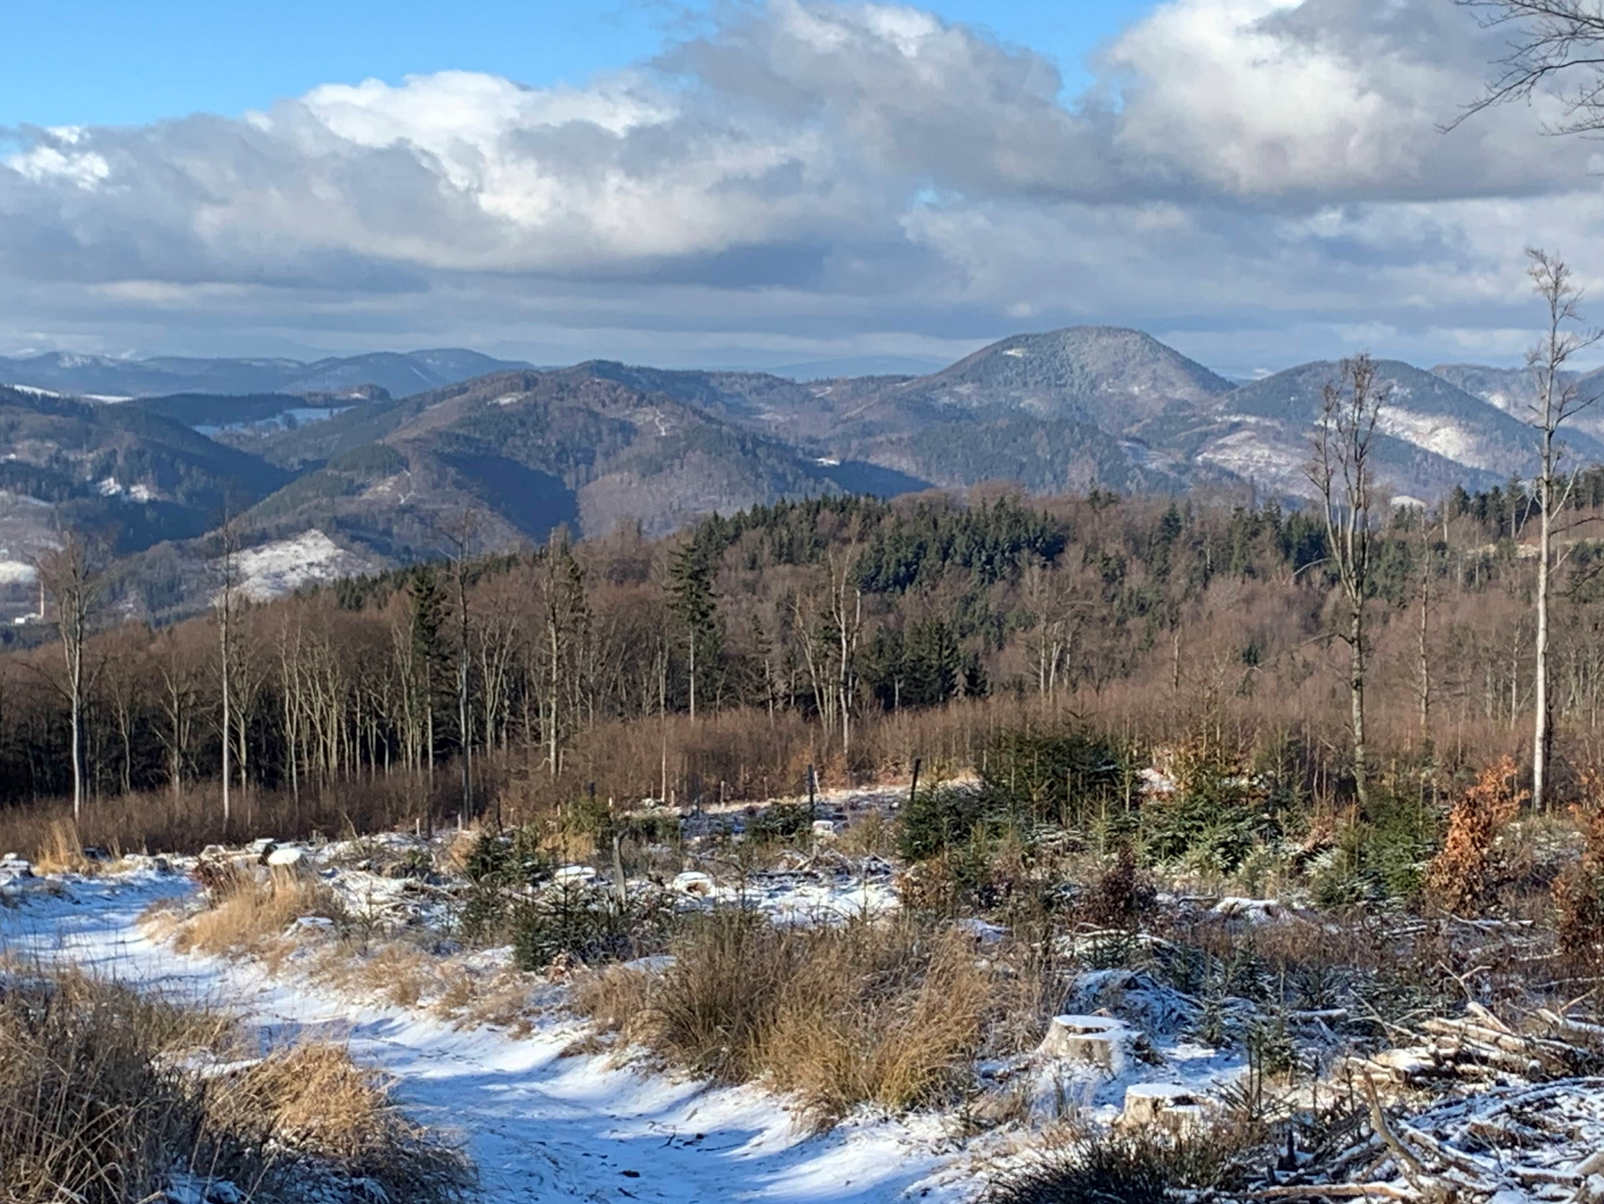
(35, 391)
(1439, 433)
(541, 1126)
(284, 566)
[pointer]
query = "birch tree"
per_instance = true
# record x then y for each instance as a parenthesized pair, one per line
(226, 602)
(71, 576)
(1344, 482)
(846, 620)
(1559, 397)
(462, 533)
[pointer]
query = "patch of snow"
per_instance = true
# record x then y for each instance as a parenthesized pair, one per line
(25, 499)
(1437, 433)
(284, 566)
(1157, 782)
(16, 572)
(1251, 455)
(112, 487)
(1016, 352)
(36, 391)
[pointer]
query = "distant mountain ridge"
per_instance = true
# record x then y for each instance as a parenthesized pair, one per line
(363, 460)
(396, 372)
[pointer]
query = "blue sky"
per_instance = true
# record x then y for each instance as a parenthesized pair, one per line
(117, 63)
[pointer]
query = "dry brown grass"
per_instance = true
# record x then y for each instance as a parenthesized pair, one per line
(886, 1013)
(100, 1104)
(61, 850)
(397, 972)
(315, 1100)
(251, 915)
(616, 999)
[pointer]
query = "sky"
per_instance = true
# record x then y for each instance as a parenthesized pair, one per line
(121, 64)
(773, 182)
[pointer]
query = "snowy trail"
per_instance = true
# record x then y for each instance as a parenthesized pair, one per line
(540, 1126)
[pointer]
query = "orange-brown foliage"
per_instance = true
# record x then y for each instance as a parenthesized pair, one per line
(1465, 876)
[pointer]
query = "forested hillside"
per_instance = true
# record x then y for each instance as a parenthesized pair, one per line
(848, 632)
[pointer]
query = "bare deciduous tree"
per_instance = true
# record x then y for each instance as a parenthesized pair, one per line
(1427, 569)
(462, 534)
(72, 576)
(227, 602)
(1559, 398)
(846, 616)
(1555, 46)
(1342, 476)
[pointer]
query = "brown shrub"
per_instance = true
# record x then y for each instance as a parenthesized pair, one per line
(1119, 895)
(1465, 876)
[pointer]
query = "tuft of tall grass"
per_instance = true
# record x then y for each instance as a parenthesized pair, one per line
(891, 1013)
(248, 913)
(103, 1099)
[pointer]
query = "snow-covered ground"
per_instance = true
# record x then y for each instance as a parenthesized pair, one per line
(540, 1125)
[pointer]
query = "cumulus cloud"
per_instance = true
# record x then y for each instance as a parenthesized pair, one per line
(866, 168)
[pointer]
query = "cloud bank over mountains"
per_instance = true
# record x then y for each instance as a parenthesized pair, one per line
(1254, 180)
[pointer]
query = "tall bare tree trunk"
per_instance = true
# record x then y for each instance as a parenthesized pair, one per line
(1423, 665)
(1341, 472)
(1559, 398)
(70, 575)
(1356, 700)
(229, 570)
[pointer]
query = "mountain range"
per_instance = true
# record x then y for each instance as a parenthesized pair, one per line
(104, 377)
(350, 465)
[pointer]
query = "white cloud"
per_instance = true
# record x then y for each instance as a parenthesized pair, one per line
(42, 164)
(817, 172)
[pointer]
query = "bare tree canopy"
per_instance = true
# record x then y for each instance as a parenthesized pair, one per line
(1555, 46)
